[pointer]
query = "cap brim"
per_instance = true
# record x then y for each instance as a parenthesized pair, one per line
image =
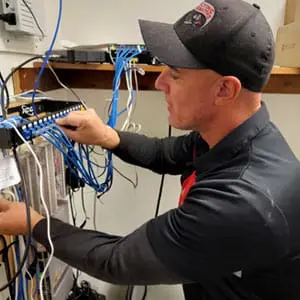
(162, 41)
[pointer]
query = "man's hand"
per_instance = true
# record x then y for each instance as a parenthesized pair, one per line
(85, 127)
(13, 218)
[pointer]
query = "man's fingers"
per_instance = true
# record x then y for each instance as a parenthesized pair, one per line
(67, 121)
(75, 118)
(69, 132)
(4, 204)
(72, 119)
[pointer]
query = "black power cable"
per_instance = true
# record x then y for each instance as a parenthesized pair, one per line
(134, 184)
(162, 181)
(34, 18)
(130, 289)
(71, 196)
(4, 84)
(9, 18)
(5, 87)
(129, 293)
(145, 293)
(84, 209)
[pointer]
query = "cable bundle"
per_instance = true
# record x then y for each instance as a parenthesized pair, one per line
(122, 64)
(78, 161)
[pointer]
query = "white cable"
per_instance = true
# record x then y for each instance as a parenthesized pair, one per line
(138, 127)
(65, 87)
(10, 193)
(31, 285)
(128, 124)
(130, 99)
(44, 204)
(111, 57)
(29, 98)
(128, 76)
(57, 78)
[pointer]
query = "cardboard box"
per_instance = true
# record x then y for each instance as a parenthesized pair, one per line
(288, 46)
(292, 12)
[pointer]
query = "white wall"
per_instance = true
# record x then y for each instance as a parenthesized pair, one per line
(117, 21)
(94, 21)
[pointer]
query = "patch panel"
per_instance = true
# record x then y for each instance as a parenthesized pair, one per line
(32, 129)
(25, 110)
(40, 126)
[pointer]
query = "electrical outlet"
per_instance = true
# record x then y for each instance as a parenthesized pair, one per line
(25, 23)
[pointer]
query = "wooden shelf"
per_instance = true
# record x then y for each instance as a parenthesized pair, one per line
(98, 67)
(100, 76)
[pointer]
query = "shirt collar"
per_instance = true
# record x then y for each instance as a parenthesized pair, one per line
(233, 142)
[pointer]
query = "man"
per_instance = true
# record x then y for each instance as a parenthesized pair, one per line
(236, 232)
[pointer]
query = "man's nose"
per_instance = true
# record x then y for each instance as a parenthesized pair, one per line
(161, 82)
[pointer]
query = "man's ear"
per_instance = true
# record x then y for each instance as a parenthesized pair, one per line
(227, 90)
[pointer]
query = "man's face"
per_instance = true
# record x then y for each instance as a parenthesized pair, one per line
(189, 96)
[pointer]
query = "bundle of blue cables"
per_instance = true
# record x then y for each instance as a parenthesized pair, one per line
(78, 160)
(123, 57)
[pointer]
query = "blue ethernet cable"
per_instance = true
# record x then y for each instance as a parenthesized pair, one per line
(49, 52)
(123, 57)
(72, 157)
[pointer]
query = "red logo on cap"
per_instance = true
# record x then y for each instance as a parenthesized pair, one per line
(207, 10)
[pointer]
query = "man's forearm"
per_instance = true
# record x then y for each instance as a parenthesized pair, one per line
(119, 260)
(161, 155)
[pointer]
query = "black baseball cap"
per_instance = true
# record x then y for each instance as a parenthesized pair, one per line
(231, 37)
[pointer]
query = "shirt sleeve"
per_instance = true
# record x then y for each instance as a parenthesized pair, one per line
(216, 232)
(119, 260)
(167, 155)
